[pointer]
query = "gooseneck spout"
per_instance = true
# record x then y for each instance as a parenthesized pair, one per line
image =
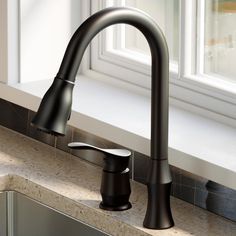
(56, 105)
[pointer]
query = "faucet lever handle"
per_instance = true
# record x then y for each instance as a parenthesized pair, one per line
(112, 152)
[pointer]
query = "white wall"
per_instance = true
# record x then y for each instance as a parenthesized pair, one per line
(45, 29)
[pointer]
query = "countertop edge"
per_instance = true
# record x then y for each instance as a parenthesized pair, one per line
(54, 200)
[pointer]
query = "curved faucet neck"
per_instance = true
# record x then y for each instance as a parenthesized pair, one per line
(160, 65)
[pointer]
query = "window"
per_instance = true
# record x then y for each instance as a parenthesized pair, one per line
(126, 47)
(166, 13)
(201, 37)
(201, 40)
(220, 39)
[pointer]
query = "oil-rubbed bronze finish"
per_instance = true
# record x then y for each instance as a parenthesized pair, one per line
(55, 107)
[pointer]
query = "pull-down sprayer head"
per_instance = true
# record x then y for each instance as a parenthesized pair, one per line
(55, 108)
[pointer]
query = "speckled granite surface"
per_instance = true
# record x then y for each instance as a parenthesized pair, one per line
(71, 186)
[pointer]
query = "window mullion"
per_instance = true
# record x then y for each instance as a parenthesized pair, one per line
(169, 17)
(9, 42)
(119, 30)
(187, 38)
(200, 37)
(3, 41)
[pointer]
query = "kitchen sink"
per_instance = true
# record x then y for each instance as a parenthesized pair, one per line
(22, 216)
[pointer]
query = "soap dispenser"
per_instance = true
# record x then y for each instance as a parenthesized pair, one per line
(115, 185)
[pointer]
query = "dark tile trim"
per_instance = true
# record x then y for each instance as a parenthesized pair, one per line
(13, 116)
(193, 189)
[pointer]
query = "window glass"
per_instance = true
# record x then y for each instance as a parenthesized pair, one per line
(166, 14)
(220, 38)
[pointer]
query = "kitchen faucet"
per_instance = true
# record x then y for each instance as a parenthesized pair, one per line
(55, 107)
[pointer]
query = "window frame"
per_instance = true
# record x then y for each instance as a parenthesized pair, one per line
(190, 88)
(9, 42)
(10, 36)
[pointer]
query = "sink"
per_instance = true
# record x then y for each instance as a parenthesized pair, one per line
(23, 216)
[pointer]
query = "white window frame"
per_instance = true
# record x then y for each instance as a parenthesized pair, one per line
(9, 42)
(190, 88)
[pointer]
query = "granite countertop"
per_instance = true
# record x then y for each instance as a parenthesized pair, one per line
(69, 185)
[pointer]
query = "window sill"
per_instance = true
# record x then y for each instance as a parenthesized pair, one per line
(196, 144)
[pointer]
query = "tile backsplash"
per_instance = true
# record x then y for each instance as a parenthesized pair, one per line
(186, 186)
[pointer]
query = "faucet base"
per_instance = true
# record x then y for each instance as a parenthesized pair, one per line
(115, 208)
(158, 215)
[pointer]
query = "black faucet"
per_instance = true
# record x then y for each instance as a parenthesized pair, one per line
(55, 107)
